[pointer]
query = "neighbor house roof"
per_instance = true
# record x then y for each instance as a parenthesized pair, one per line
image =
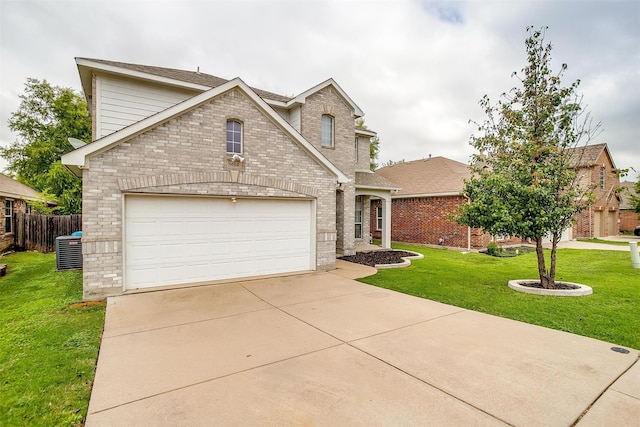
(11, 188)
(588, 155)
(434, 176)
(194, 80)
(628, 190)
(76, 160)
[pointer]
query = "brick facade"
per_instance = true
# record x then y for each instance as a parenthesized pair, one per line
(186, 156)
(6, 238)
(428, 221)
(342, 154)
(629, 220)
(603, 217)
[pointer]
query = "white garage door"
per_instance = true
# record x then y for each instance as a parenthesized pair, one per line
(176, 240)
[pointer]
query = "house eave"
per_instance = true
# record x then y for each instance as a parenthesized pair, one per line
(301, 98)
(418, 195)
(86, 68)
(376, 187)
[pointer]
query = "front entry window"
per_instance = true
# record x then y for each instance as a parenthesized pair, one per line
(359, 206)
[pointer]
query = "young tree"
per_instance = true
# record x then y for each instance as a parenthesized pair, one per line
(524, 181)
(46, 117)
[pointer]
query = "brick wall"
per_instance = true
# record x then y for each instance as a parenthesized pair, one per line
(342, 155)
(187, 155)
(428, 221)
(601, 219)
(629, 220)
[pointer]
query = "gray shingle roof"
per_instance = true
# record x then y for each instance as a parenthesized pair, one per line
(587, 155)
(11, 188)
(628, 190)
(368, 179)
(435, 175)
(194, 77)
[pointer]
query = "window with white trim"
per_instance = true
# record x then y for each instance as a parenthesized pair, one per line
(359, 208)
(234, 137)
(602, 178)
(327, 131)
(379, 218)
(8, 216)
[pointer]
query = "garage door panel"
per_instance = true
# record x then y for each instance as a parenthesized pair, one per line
(175, 240)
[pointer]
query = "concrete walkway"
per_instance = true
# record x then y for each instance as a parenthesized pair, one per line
(323, 349)
(585, 244)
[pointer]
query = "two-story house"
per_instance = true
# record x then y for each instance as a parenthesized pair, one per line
(597, 171)
(192, 178)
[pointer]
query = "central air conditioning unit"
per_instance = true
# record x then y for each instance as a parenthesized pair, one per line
(68, 253)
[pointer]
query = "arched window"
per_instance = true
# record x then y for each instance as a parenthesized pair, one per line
(327, 131)
(234, 137)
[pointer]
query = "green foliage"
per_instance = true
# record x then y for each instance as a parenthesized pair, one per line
(46, 117)
(493, 248)
(523, 182)
(635, 200)
(48, 343)
(374, 152)
(479, 282)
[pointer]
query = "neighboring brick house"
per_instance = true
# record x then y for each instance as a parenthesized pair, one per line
(14, 198)
(422, 211)
(629, 218)
(192, 178)
(596, 169)
(431, 194)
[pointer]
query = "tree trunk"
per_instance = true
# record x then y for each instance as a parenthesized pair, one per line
(555, 239)
(545, 281)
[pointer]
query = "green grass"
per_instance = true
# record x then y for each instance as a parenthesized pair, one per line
(48, 344)
(479, 282)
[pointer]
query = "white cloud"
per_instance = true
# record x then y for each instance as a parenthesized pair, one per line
(417, 68)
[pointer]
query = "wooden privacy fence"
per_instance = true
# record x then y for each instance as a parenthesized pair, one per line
(39, 232)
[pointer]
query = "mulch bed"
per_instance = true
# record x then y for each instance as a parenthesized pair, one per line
(559, 285)
(377, 257)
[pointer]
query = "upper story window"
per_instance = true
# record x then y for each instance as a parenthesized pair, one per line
(8, 216)
(234, 137)
(602, 178)
(357, 147)
(327, 131)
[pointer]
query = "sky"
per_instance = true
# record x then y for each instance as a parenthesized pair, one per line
(416, 68)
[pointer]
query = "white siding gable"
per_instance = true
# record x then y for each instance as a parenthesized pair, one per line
(120, 102)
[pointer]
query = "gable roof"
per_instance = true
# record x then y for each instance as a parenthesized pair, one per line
(588, 155)
(301, 99)
(628, 190)
(374, 180)
(76, 160)
(170, 76)
(194, 80)
(11, 188)
(434, 176)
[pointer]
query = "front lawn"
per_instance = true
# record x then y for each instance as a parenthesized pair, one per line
(48, 343)
(479, 282)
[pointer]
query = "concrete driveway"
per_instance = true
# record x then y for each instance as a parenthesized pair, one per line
(323, 349)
